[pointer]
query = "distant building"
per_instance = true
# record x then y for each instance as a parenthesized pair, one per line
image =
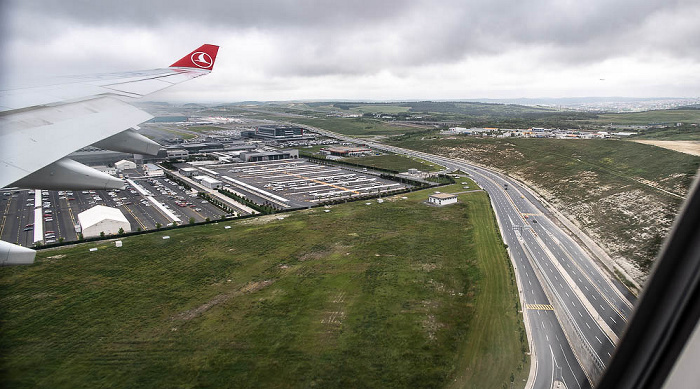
(442, 198)
(102, 219)
(211, 183)
(124, 165)
(152, 170)
(268, 155)
(178, 153)
(106, 169)
(188, 171)
(279, 132)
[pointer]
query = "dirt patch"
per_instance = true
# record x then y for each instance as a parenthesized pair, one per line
(248, 288)
(682, 146)
(263, 219)
(59, 256)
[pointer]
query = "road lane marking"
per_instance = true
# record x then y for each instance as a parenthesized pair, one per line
(539, 307)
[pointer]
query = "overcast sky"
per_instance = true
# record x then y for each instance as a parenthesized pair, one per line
(369, 49)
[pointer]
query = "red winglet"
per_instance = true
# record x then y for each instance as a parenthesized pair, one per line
(201, 58)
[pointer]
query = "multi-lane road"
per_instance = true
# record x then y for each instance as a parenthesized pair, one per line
(574, 311)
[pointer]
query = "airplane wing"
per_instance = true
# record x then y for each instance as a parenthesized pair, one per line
(39, 126)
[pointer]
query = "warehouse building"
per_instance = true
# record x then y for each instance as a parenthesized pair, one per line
(211, 183)
(442, 199)
(268, 155)
(100, 219)
(106, 169)
(152, 170)
(177, 153)
(188, 171)
(124, 165)
(279, 132)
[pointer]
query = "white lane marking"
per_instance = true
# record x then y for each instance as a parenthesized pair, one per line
(567, 362)
(589, 327)
(579, 313)
(601, 342)
(614, 321)
(594, 297)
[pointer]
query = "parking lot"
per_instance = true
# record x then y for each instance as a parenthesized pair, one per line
(145, 202)
(293, 183)
(51, 216)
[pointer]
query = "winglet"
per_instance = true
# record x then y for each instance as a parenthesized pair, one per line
(201, 58)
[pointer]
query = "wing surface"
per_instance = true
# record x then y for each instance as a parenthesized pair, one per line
(40, 125)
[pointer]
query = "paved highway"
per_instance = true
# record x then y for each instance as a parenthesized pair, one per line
(574, 312)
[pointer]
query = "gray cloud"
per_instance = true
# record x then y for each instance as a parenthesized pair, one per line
(316, 38)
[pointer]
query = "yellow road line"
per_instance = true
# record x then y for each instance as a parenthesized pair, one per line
(539, 307)
(4, 216)
(72, 219)
(135, 218)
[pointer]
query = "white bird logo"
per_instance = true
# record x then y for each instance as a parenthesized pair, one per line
(201, 59)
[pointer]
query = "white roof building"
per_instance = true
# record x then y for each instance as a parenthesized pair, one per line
(124, 165)
(442, 198)
(152, 170)
(210, 183)
(102, 219)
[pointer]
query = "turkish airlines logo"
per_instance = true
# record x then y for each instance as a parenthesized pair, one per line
(201, 59)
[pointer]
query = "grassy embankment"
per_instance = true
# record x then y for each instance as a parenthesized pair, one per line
(686, 131)
(668, 116)
(356, 126)
(397, 294)
(607, 186)
(395, 162)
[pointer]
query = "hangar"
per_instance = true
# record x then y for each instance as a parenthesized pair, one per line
(102, 219)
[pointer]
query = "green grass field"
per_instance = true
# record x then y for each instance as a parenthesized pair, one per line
(181, 134)
(397, 294)
(670, 116)
(356, 126)
(379, 108)
(395, 162)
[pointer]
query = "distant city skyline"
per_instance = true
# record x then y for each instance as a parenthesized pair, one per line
(369, 50)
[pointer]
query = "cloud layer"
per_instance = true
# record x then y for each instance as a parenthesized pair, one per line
(372, 49)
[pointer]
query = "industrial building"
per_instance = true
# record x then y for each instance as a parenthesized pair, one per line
(268, 155)
(100, 219)
(106, 169)
(177, 153)
(188, 171)
(152, 170)
(211, 183)
(279, 132)
(124, 165)
(442, 198)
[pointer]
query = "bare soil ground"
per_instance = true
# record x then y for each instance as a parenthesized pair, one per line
(684, 146)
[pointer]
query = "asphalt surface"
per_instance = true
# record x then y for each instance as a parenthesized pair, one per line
(60, 209)
(595, 307)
